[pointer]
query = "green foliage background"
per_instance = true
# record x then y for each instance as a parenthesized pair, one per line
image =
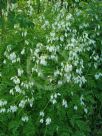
(64, 122)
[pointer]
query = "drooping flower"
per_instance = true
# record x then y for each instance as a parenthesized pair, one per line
(48, 121)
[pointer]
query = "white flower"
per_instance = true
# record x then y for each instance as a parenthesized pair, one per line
(72, 93)
(66, 34)
(53, 57)
(2, 110)
(41, 120)
(64, 103)
(54, 97)
(26, 42)
(50, 48)
(98, 75)
(25, 118)
(13, 6)
(11, 91)
(22, 103)
(56, 73)
(67, 77)
(96, 57)
(54, 101)
(79, 80)
(52, 34)
(75, 107)
(12, 57)
(4, 62)
(43, 61)
(31, 102)
(68, 68)
(20, 72)
(23, 52)
(76, 0)
(13, 109)
(46, 22)
(69, 16)
(48, 121)
(17, 88)
(24, 33)
(18, 59)
(81, 100)
(86, 110)
(0, 74)
(62, 38)
(60, 82)
(79, 71)
(15, 79)
(2, 103)
(42, 113)
(16, 26)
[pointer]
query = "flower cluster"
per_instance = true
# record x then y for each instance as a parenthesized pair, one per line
(53, 64)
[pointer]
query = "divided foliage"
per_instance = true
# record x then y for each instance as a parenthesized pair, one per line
(51, 68)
